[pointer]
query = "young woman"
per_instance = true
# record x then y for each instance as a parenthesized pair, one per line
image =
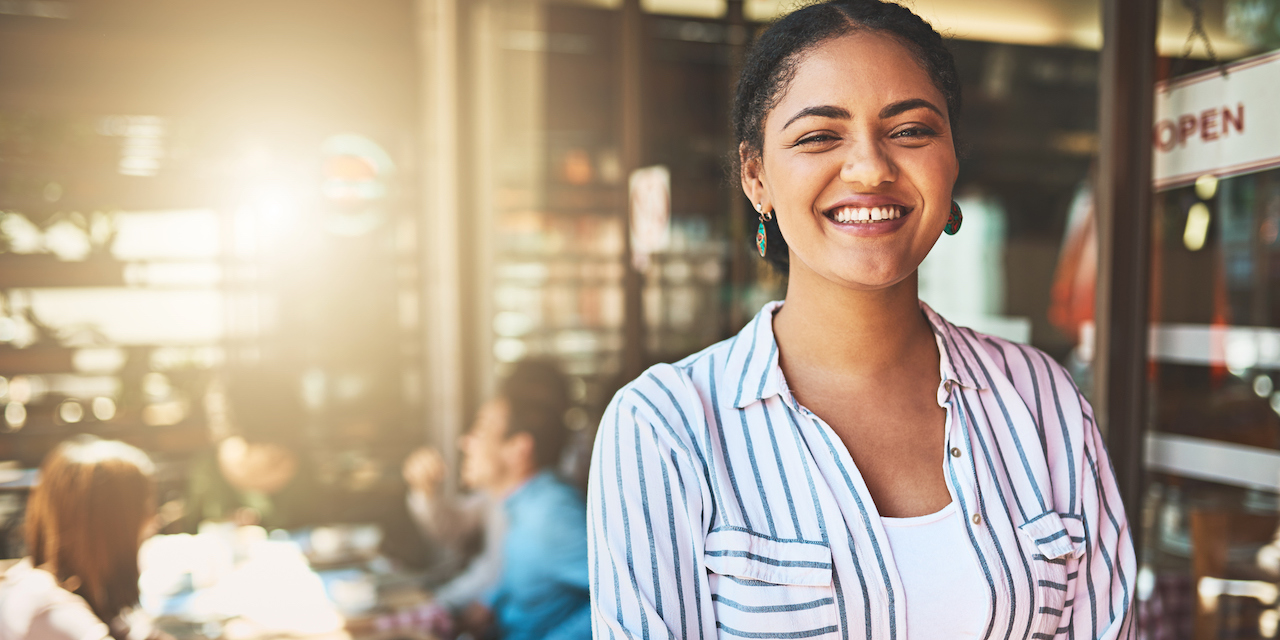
(85, 523)
(851, 464)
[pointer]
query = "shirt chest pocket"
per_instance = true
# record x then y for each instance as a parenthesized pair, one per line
(1056, 545)
(767, 588)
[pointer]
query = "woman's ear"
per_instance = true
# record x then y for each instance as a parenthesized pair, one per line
(751, 175)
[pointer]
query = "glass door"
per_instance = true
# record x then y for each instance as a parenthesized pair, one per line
(1212, 551)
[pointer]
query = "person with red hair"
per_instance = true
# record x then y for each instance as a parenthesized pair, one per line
(86, 520)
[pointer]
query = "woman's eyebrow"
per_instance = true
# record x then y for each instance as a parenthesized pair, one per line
(822, 111)
(904, 106)
(829, 111)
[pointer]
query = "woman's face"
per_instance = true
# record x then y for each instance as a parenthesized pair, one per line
(858, 163)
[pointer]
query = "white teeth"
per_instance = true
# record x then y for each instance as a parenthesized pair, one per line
(866, 214)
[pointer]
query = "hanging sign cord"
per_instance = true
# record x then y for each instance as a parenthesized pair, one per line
(1196, 7)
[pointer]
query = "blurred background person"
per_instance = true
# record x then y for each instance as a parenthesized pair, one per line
(257, 472)
(86, 520)
(455, 526)
(530, 580)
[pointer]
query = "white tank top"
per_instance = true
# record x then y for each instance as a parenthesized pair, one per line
(946, 593)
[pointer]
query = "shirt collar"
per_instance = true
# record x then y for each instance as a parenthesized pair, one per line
(752, 368)
(753, 374)
(958, 357)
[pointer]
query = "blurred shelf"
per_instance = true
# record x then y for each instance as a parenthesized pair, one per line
(564, 199)
(568, 256)
(30, 443)
(555, 331)
(29, 271)
(37, 360)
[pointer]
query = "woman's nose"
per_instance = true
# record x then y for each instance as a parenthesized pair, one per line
(867, 165)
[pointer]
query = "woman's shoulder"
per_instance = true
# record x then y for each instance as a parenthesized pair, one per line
(24, 581)
(1037, 396)
(1034, 373)
(34, 605)
(673, 398)
(706, 377)
(687, 381)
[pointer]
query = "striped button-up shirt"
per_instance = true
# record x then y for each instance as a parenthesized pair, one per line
(719, 507)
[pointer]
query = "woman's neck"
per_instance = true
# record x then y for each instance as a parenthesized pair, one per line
(851, 333)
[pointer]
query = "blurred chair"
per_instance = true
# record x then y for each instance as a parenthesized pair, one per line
(1214, 535)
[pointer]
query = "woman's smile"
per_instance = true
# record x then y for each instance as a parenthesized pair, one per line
(864, 216)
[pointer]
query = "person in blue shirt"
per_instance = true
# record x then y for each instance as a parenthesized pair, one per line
(512, 450)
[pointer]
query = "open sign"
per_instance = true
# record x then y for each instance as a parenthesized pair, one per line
(1209, 125)
(1215, 123)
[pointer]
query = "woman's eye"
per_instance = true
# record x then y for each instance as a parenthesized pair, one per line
(914, 132)
(816, 139)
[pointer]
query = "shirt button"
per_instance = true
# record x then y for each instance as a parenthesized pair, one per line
(955, 452)
(977, 519)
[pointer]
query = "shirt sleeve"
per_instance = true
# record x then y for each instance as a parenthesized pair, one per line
(446, 520)
(1107, 571)
(484, 570)
(645, 518)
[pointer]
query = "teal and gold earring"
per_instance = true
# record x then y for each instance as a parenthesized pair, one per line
(762, 238)
(954, 219)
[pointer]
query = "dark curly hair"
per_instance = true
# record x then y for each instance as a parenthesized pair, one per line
(771, 65)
